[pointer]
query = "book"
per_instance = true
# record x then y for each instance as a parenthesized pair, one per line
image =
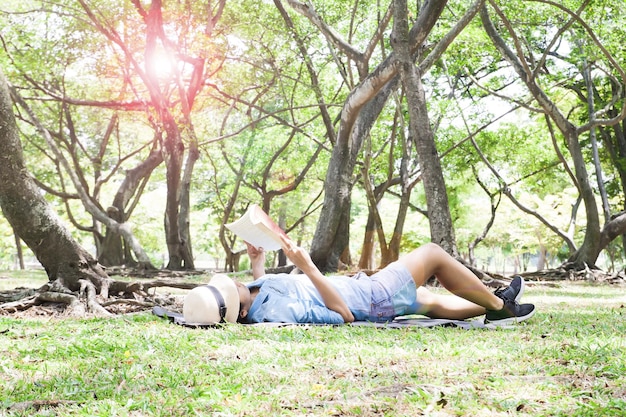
(258, 229)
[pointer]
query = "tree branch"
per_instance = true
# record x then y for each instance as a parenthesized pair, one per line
(308, 11)
(95, 211)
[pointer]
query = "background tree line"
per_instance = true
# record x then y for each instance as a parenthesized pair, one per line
(148, 125)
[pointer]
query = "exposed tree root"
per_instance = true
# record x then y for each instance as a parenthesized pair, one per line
(144, 304)
(114, 298)
(587, 274)
(16, 294)
(89, 291)
(565, 272)
(19, 305)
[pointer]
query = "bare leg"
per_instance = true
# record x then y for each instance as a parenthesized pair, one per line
(429, 260)
(446, 306)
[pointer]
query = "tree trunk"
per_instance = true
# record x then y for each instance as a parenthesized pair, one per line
(586, 72)
(115, 251)
(111, 248)
(184, 222)
(368, 249)
(173, 151)
(32, 218)
(19, 251)
(393, 250)
(440, 220)
(360, 111)
(614, 139)
(232, 258)
(588, 252)
(331, 239)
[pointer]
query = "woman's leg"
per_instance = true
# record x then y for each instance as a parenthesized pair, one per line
(445, 306)
(472, 295)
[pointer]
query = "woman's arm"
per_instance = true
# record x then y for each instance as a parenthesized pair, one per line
(257, 261)
(332, 298)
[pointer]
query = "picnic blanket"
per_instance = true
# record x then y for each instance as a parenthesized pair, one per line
(398, 323)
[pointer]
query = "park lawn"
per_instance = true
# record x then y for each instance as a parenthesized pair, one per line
(569, 360)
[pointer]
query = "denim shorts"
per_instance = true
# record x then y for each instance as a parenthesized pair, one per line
(393, 293)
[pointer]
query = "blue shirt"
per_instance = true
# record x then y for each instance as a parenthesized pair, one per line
(285, 298)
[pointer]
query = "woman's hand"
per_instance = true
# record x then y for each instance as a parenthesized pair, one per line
(297, 255)
(255, 253)
(257, 260)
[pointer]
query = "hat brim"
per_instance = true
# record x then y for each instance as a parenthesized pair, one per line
(201, 306)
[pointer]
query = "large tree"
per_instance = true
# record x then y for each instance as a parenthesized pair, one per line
(152, 62)
(170, 100)
(90, 146)
(530, 68)
(22, 203)
(361, 109)
(76, 279)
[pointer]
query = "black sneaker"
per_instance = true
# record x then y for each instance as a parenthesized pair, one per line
(514, 291)
(511, 313)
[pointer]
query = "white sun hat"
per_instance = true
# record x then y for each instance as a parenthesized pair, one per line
(216, 302)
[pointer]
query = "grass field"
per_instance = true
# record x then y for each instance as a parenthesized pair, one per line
(569, 360)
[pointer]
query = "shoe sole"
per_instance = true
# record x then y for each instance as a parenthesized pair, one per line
(511, 320)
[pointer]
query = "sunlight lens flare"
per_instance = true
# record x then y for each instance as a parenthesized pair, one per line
(160, 64)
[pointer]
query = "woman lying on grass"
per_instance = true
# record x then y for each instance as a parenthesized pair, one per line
(396, 290)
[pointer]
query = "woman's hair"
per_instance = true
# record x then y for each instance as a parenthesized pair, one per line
(242, 320)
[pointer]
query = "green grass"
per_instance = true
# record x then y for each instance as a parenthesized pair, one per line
(22, 278)
(569, 360)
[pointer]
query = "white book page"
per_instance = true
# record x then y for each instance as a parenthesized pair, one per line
(254, 232)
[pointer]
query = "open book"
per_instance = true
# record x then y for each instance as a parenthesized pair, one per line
(258, 229)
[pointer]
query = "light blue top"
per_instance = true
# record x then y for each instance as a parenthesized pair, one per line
(285, 298)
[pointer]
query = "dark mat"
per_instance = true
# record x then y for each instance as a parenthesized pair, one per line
(398, 323)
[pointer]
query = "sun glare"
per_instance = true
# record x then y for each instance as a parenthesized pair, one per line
(160, 64)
